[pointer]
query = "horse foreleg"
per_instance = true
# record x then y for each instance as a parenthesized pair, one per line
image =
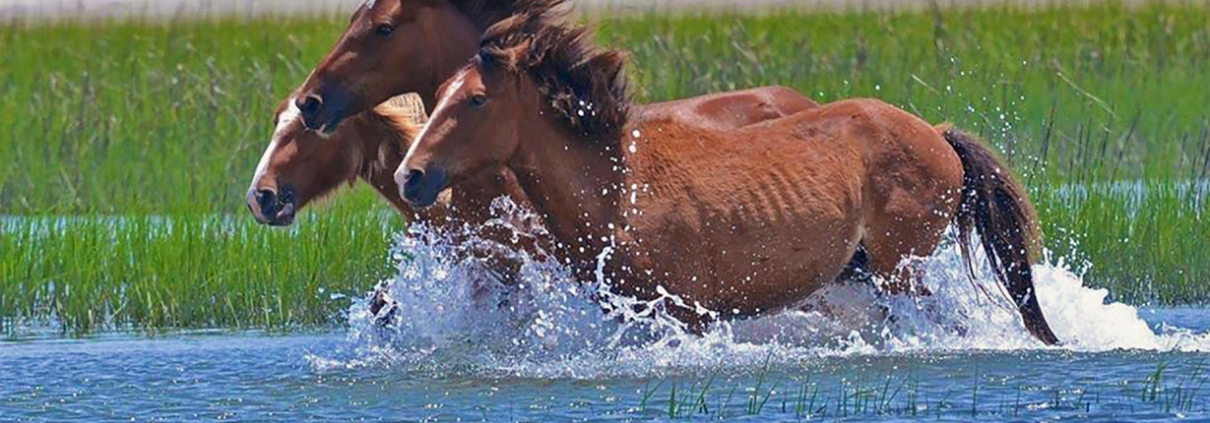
(858, 268)
(380, 300)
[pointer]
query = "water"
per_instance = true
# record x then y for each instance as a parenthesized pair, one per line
(257, 377)
(546, 351)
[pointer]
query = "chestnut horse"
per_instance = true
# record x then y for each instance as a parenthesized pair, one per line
(733, 228)
(403, 46)
(393, 47)
(300, 166)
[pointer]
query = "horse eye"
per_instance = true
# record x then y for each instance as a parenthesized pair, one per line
(384, 29)
(478, 101)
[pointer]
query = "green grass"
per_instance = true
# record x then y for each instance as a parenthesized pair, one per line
(189, 271)
(1047, 85)
(1146, 250)
(135, 119)
(130, 119)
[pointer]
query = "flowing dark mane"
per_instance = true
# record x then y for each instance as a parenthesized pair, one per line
(486, 13)
(584, 83)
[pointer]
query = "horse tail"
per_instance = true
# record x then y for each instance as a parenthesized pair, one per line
(998, 208)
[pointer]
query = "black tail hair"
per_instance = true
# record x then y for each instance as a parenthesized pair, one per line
(998, 208)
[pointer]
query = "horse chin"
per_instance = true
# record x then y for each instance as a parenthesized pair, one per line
(325, 122)
(285, 217)
(422, 199)
(427, 194)
(328, 128)
(424, 189)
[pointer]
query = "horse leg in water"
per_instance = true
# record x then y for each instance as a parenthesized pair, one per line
(908, 224)
(501, 247)
(722, 110)
(910, 211)
(501, 268)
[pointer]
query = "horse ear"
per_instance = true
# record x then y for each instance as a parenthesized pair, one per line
(611, 63)
(607, 70)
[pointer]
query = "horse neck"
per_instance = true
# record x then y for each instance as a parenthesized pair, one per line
(574, 183)
(381, 151)
(454, 43)
(443, 67)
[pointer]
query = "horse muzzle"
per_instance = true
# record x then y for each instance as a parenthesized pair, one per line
(272, 208)
(421, 188)
(324, 109)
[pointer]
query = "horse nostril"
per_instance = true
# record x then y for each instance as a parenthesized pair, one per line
(309, 105)
(413, 179)
(267, 201)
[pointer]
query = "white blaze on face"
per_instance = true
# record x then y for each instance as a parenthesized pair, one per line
(441, 105)
(284, 120)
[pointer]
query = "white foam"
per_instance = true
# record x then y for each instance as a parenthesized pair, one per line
(555, 327)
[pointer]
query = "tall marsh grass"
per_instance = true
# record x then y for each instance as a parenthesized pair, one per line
(164, 122)
(1146, 242)
(171, 118)
(188, 271)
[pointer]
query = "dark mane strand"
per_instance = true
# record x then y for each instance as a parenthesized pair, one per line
(486, 13)
(585, 84)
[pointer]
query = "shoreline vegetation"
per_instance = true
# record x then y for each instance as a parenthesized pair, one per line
(175, 11)
(150, 123)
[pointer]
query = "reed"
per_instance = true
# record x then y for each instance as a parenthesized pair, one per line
(1165, 383)
(156, 272)
(170, 118)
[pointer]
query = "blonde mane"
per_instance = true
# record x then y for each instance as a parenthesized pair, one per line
(405, 113)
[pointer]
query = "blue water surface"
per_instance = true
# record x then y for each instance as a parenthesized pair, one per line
(328, 377)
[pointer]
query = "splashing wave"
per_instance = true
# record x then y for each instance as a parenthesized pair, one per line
(454, 316)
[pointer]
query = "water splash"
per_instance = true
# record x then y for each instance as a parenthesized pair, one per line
(455, 315)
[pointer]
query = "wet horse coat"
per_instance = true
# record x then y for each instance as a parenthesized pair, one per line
(301, 166)
(733, 221)
(404, 46)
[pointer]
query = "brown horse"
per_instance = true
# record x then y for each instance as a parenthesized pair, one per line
(393, 47)
(741, 228)
(301, 166)
(401, 46)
